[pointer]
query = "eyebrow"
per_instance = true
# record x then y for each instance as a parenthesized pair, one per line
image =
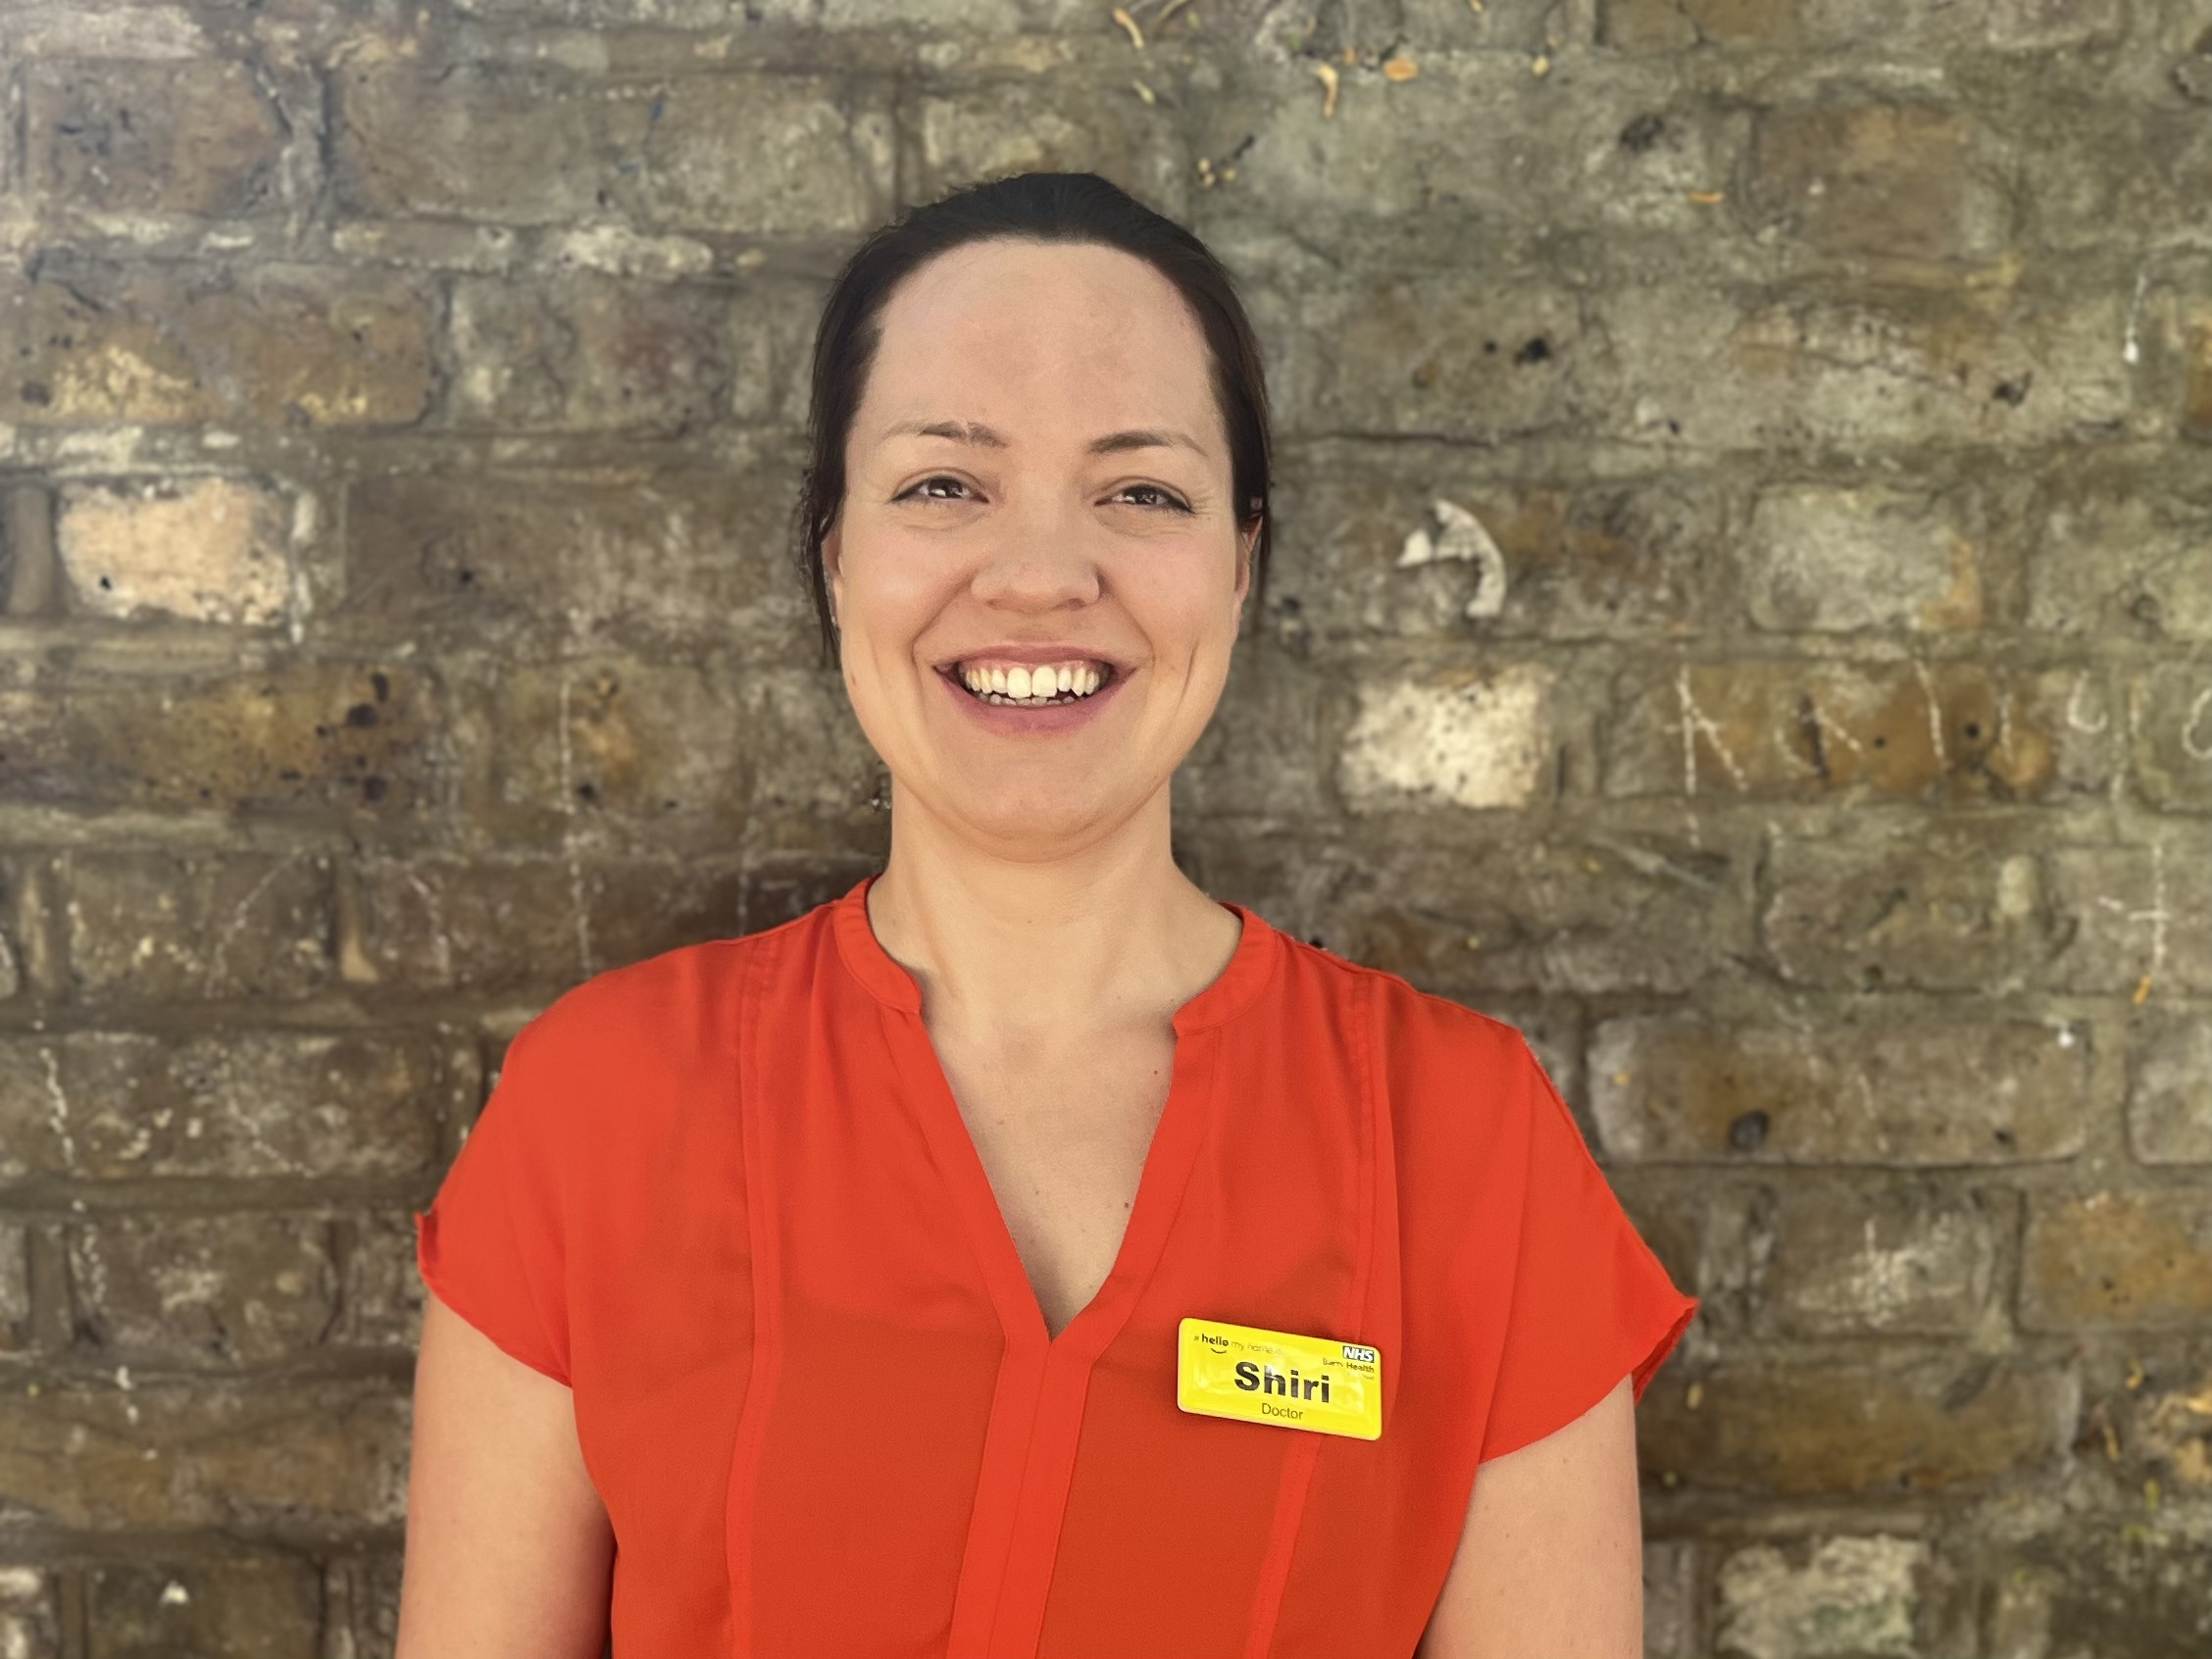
(987, 437)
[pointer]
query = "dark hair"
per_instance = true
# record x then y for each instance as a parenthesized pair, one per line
(1039, 207)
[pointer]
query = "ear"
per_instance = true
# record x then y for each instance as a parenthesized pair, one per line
(1247, 543)
(833, 571)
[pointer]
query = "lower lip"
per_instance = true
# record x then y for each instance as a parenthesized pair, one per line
(1046, 721)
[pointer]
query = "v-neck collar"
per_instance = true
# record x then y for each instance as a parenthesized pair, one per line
(1037, 1406)
(1240, 980)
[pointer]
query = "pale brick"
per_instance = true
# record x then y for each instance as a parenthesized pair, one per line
(162, 1290)
(1457, 738)
(1815, 729)
(1942, 909)
(2132, 915)
(163, 926)
(271, 346)
(2170, 1088)
(208, 549)
(2170, 722)
(323, 1454)
(253, 1607)
(746, 154)
(1889, 1426)
(2118, 1261)
(29, 1613)
(1666, 1090)
(230, 1103)
(1851, 1597)
(1905, 181)
(536, 564)
(191, 139)
(1838, 559)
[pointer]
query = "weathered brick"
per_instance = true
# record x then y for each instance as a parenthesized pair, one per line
(1916, 27)
(271, 346)
(29, 1613)
(1670, 1598)
(2170, 1088)
(1948, 909)
(2170, 723)
(535, 923)
(209, 549)
(748, 153)
(2077, 199)
(1581, 559)
(163, 1289)
(1392, 162)
(234, 1103)
(536, 564)
(1902, 1258)
(1261, 752)
(362, 1604)
(1832, 1597)
(2117, 1260)
(1669, 1090)
(195, 137)
(163, 926)
(1905, 181)
(1661, 26)
(1458, 738)
(1070, 117)
(304, 733)
(609, 746)
(2124, 552)
(1605, 912)
(2091, 1587)
(2132, 915)
(15, 1291)
(1869, 366)
(1919, 1422)
(589, 352)
(382, 1302)
(250, 1607)
(1869, 557)
(1812, 729)
(315, 1454)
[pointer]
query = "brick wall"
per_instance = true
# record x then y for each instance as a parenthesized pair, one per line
(1743, 613)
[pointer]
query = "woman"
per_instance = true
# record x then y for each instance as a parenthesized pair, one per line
(901, 1280)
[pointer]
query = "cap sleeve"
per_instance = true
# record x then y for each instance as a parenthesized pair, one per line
(492, 1245)
(1590, 1303)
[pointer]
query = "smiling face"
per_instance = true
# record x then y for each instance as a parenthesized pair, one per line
(1037, 569)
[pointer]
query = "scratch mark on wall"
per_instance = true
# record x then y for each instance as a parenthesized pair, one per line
(1696, 724)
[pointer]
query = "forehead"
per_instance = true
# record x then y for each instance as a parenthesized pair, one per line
(1047, 331)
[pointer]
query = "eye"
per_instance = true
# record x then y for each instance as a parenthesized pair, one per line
(1151, 495)
(940, 487)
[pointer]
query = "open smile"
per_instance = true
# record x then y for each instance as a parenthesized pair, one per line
(1004, 683)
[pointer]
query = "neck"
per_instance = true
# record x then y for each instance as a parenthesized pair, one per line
(1108, 931)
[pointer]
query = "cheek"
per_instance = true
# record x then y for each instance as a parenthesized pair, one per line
(893, 586)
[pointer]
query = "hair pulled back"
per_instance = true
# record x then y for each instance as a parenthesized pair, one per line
(1039, 207)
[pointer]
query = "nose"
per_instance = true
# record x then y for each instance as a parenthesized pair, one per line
(1038, 564)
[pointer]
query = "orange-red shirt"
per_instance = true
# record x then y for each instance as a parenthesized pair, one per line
(727, 1196)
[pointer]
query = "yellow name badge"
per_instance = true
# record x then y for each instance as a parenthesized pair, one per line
(1274, 1378)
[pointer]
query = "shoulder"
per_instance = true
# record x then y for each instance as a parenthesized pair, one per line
(1419, 1031)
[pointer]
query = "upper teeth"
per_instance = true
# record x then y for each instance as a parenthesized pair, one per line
(1021, 682)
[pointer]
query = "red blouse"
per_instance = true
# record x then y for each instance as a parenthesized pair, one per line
(727, 1199)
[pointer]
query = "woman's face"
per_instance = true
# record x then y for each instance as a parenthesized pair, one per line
(1037, 569)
